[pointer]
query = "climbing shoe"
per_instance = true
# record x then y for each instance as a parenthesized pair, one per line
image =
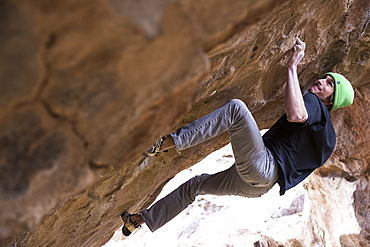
(155, 148)
(129, 226)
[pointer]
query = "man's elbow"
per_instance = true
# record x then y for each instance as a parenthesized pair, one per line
(297, 118)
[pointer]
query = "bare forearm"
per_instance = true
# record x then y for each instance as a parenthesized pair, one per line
(293, 100)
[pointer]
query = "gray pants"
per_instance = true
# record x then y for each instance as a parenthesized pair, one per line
(253, 174)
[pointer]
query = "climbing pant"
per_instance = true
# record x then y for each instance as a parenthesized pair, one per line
(253, 174)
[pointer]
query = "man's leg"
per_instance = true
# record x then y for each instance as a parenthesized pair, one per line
(227, 182)
(210, 125)
(254, 161)
(223, 183)
(240, 179)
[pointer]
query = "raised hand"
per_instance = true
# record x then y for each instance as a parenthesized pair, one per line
(298, 53)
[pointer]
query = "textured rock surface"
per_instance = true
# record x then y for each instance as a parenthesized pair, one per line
(87, 85)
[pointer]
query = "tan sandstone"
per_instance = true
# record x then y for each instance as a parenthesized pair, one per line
(87, 85)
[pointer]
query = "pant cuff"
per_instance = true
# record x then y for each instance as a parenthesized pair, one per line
(176, 141)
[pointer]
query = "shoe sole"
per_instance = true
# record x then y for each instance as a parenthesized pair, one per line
(128, 227)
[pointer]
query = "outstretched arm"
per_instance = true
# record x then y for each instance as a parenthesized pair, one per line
(293, 100)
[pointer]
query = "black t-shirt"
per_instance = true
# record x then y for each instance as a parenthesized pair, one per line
(300, 148)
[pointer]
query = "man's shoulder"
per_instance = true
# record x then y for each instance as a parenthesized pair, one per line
(312, 101)
(311, 96)
(317, 111)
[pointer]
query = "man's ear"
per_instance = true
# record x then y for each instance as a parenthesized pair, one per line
(329, 100)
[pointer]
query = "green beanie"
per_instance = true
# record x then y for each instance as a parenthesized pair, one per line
(343, 94)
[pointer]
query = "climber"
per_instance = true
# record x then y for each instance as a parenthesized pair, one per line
(298, 143)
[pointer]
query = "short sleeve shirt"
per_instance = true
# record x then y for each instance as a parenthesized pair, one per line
(300, 148)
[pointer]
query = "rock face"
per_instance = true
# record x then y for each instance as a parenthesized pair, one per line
(86, 86)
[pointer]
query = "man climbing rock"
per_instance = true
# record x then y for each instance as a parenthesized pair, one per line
(298, 143)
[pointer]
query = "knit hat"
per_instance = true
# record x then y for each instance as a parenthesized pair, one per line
(343, 94)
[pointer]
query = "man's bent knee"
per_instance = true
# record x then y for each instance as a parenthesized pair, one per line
(238, 103)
